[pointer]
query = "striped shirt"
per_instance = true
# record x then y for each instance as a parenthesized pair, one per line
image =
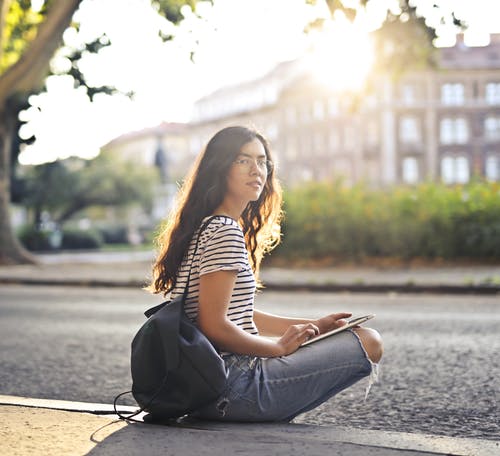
(221, 248)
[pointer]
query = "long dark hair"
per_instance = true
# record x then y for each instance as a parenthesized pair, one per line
(202, 192)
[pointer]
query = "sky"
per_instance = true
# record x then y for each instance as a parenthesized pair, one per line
(232, 41)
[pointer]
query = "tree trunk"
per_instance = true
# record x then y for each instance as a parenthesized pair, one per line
(11, 250)
(21, 79)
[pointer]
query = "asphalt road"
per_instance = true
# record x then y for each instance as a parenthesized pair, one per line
(440, 373)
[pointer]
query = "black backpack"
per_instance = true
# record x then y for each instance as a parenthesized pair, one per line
(175, 369)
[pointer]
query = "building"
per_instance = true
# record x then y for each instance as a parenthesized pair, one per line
(164, 147)
(438, 124)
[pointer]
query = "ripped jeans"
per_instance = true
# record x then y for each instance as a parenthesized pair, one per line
(279, 389)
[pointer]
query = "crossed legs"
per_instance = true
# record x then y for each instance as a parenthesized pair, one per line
(372, 343)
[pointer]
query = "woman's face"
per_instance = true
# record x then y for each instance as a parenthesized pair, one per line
(248, 173)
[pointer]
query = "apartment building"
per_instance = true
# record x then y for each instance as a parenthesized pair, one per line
(438, 124)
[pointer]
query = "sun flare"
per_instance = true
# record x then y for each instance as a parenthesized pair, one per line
(342, 55)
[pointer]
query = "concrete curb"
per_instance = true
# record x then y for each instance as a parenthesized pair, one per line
(260, 438)
(67, 406)
(486, 289)
(387, 288)
(73, 282)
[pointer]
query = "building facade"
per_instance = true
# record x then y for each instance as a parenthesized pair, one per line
(438, 124)
(164, 147)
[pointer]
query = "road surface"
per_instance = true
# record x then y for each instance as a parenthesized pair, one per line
(440, 373)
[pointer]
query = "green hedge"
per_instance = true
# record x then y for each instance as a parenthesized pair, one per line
(33, 239)
(73, 239)
(427, 221)
(81, 239)
(114, 234)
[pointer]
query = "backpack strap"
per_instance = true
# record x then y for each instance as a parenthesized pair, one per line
(155, 309)
(200, 232)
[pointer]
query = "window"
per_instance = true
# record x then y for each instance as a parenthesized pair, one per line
(455, 170)
(462, 170)
(492, 168)
(305, 113)
(195, 145)
(492, 93)
(446, 131)
(447, 170)
(409, 131)
(306, 173)
(452, 94)
(272, 131)
(333, 107)
(454, 131)
(291, 115)
(318, 110)
(410, 170)
(492, 128)
(408, 94)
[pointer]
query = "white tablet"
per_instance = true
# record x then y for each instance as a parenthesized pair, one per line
(351, 323)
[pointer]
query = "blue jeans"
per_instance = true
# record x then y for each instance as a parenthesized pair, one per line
(279, 389)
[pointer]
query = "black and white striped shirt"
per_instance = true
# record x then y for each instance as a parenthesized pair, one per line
(221, 248)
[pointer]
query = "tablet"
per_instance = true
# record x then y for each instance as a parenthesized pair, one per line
(351, 323)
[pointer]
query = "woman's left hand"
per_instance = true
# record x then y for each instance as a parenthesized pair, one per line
(332, 321)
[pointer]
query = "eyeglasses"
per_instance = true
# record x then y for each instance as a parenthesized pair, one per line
(246, 164)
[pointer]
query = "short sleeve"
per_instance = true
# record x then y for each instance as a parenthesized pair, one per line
(224, 251)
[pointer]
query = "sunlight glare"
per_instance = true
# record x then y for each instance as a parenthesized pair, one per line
(37, 5)
(342, 55)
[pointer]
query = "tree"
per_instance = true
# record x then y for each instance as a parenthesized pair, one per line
(24, 63)
(107, 180)
(28, 41)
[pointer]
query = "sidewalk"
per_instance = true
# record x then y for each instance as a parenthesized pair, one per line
(40, 427)
(58, 428)
(132, 269)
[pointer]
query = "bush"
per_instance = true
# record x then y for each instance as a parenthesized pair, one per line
(429, 221)
(117, 234)
(81, 239)
(148, 234)
(33, 239)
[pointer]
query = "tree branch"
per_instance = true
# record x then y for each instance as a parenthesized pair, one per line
(28, 72)
(70, 211)
(4, 9)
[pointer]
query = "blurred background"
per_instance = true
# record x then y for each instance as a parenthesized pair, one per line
(384, 118)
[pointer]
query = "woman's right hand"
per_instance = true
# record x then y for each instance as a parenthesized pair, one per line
(294, 337)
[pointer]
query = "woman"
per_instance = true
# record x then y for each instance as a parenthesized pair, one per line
(268, 379)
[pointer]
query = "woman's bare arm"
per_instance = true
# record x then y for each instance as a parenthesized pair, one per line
(214, 298)
(275, 325)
